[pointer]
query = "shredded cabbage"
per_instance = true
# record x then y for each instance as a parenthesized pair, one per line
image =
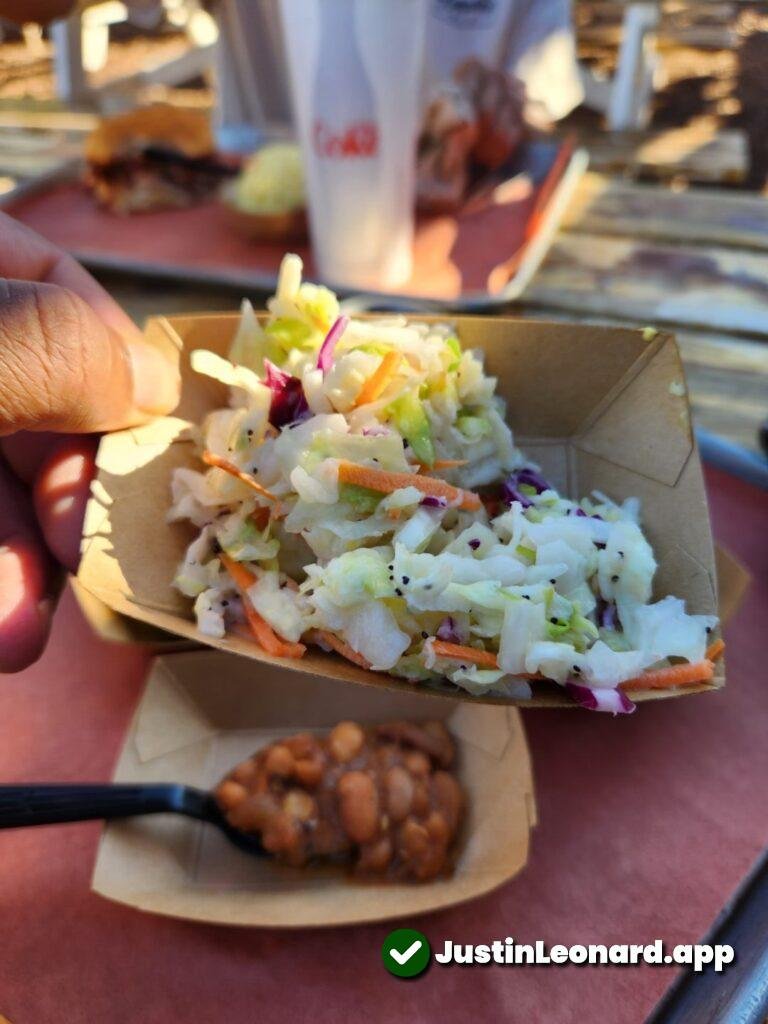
(531, 583)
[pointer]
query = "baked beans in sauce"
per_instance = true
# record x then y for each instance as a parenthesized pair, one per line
(382, 798)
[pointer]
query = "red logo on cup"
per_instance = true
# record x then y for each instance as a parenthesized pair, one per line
(360, 139)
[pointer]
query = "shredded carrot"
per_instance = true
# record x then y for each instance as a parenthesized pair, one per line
(266, 637)
(459, 652)
(661, 679)
(385, 482)
(715, 650)
(215, 460)
(676, 675)
(445, 464)
(373, 388)
(242, 578)
(337, 644)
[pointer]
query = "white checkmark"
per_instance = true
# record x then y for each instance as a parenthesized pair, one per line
(403, 958)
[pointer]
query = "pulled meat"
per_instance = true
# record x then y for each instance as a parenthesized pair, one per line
(471, 128)
(155, 178)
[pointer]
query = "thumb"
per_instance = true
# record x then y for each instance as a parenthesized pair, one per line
(62, 368)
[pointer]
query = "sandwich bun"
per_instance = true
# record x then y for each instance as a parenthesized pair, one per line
(181, 128)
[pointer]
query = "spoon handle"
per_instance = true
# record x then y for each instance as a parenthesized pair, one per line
(50, 804)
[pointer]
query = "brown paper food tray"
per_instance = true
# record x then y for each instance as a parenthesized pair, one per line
(198, 717)
(598, 407)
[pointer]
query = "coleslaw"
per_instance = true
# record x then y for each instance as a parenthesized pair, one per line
(362, 492)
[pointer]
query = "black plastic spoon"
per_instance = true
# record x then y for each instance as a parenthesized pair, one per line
(43, 804)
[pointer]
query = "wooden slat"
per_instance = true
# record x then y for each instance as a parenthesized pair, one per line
(613, 206)
(727, 383)
(701, 151)
(724, 353)
(712, 11)
(165, 71)
(713, 287)
(707, 25)
(727, 377)
(42, 117)
(24, 155)
(706, 37)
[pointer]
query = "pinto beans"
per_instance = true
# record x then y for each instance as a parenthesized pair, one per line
(413, 839)
(282, 835)
(432, 738)
(279, 761)
(448, 797)
(379, 797)
(421, 802)
(303, 744)
(358, 806)
(309, 771)
(437, 828)
(244, 772)
(299, 805)
(346, 741)
(252, 814)
(230, 794)
(398, 790)
(375, 857)
(416, 762)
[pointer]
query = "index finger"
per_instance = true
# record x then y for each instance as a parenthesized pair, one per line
(27, 256)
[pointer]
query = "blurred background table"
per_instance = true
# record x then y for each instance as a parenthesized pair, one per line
(695, 261)
(669, 227)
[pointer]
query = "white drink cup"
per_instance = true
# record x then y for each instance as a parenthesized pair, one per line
(355, 68)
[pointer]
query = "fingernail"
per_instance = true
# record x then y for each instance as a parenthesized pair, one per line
(156, 380)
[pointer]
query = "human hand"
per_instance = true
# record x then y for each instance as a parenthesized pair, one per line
(72, 364)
